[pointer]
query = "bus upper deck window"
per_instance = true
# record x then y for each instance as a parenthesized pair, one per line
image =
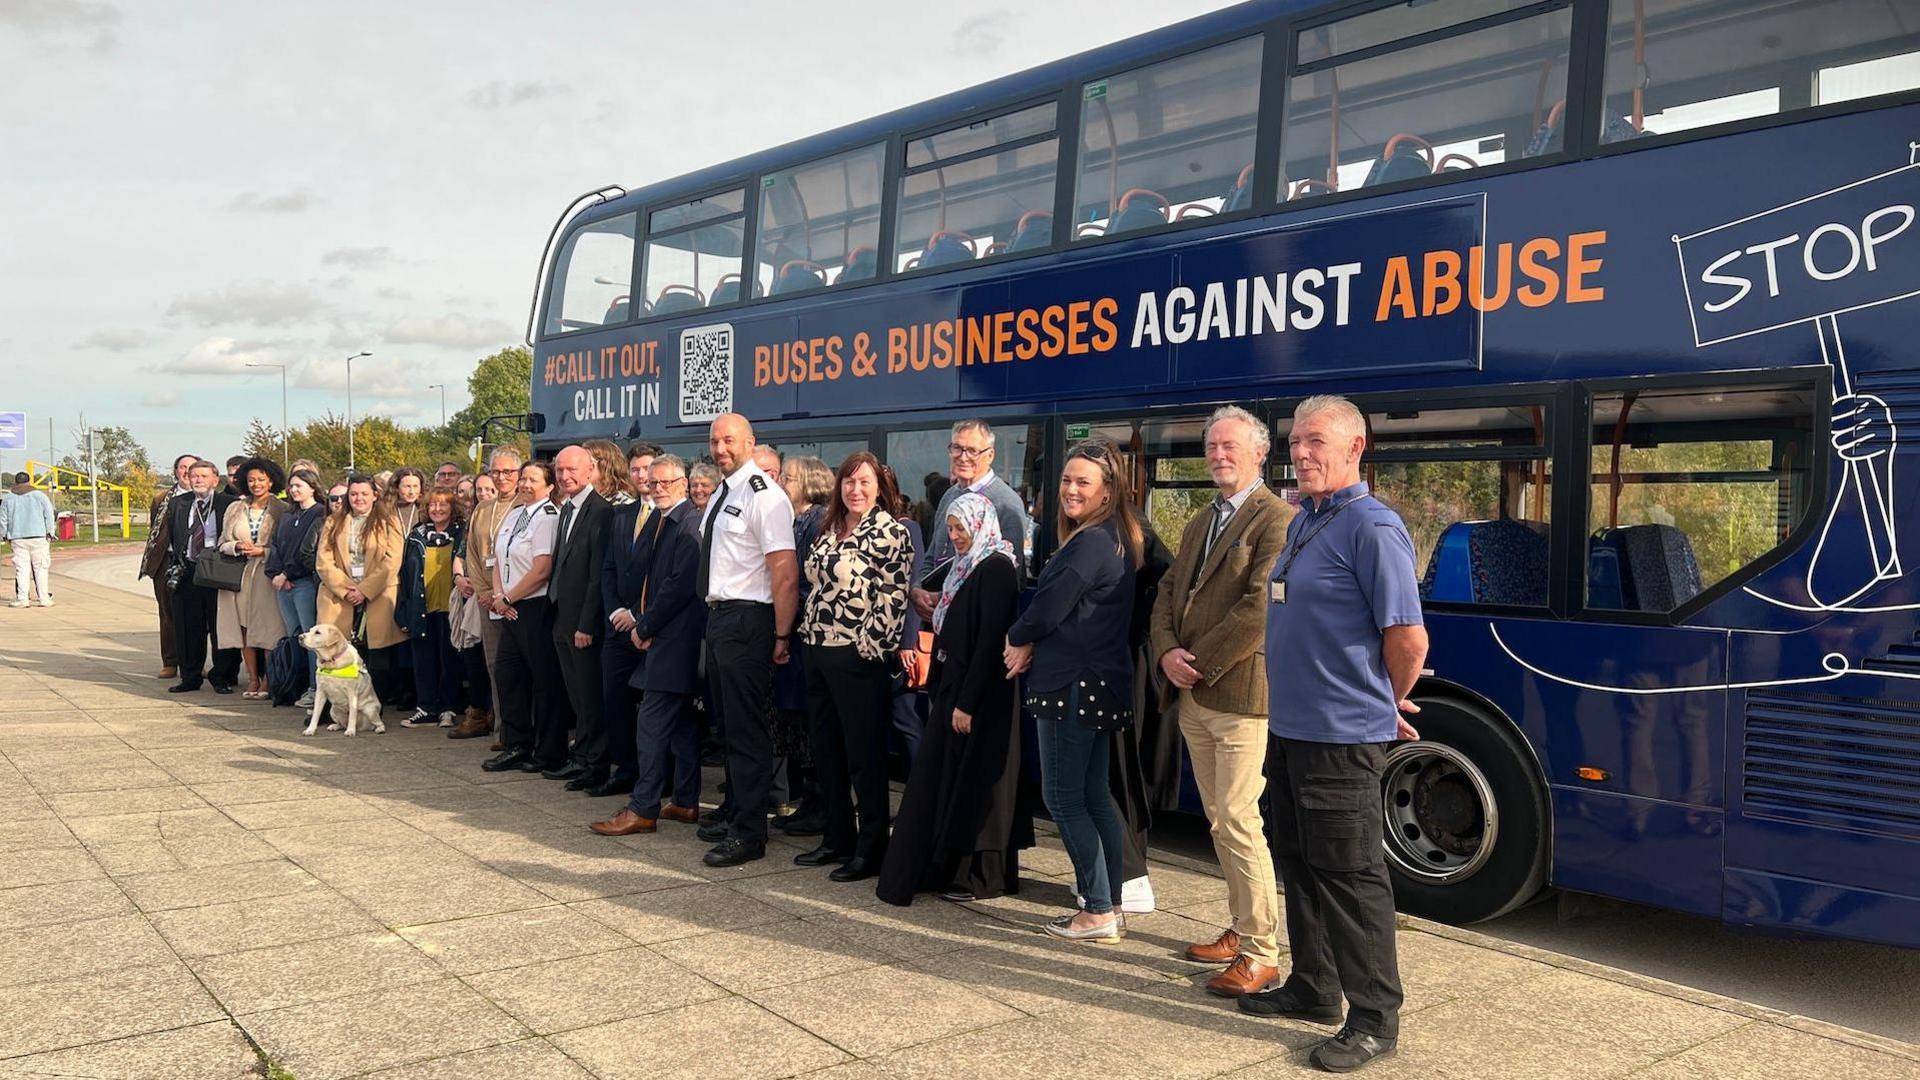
(978, 190)
(592, 277)
(693, 251)
(1460, 102)
(1167, 142)
(1676, 65)
(819, 223)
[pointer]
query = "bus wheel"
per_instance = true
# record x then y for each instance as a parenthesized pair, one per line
(1466, 817)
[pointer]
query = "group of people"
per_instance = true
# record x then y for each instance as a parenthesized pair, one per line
(590, 609)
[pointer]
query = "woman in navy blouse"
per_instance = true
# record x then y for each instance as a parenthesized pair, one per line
(1071, 644)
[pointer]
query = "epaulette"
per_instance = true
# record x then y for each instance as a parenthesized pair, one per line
(549, 508)
(757, 482)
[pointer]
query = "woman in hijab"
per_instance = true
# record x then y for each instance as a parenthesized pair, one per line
(963, 821)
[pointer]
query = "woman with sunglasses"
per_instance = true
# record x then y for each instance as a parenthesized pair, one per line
(1071, 644)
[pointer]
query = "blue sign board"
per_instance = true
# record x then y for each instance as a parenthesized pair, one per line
(13, 431)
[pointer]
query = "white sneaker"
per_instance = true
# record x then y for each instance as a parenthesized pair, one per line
(48, 602)
(446, 719)
(1136, 897)
(305, 702)
(18, 603)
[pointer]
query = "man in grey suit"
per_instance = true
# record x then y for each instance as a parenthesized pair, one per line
(970, 457)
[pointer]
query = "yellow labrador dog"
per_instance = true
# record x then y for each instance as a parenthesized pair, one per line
(343, 682)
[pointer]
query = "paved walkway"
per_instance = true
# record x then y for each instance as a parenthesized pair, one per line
(188, 888)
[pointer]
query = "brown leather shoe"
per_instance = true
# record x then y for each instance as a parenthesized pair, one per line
(472, 727)
(681, 814)
(1245, 976)
(168, 672)
(1222, 950)
(624, 823)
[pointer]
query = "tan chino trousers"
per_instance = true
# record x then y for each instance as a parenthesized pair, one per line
(1229, 753)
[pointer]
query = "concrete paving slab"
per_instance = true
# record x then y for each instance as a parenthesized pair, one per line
(731, 1037)
(585, 991)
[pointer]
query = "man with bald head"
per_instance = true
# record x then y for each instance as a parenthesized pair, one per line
(750, 581)
(579, 546)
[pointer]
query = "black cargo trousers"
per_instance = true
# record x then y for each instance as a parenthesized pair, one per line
(1324, 821)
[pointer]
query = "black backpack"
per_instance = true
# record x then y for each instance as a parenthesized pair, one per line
(287, 671)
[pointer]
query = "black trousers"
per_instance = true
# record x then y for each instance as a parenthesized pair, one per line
(527, 693)
(580, 671)
(436, 667)
(618, 661)
(850, 711)
(473, 664)
(1324, 815)
(666, 744)
(196, 621)
(169, 637)
(739, 652)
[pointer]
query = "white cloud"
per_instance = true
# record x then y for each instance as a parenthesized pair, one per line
(219, 356)
(290, 202)
(122, 340)
(451, 331)
(358, 258)
(85, 23)
(161, 399)
(981, 35)
(257, 303)
(506, 95)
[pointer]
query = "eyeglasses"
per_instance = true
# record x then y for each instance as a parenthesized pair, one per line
(335, 498)
(968, 452)
(666, 483)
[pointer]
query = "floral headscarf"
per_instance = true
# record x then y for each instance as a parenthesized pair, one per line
(977, 516)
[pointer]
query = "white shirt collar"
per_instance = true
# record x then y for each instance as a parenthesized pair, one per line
(668, 509)
(981, 484)
(740, 474)
(580, 496)
(1239, 498)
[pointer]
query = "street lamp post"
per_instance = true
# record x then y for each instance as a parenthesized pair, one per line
(442, 387)
(286, 433)
(350, 360)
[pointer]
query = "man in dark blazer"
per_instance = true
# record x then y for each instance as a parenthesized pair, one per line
(669, 628)
(153, 563)
(620, 577)
(579, 621)
(193, 530)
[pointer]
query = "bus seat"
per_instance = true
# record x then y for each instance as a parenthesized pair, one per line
(1509, 562)
(727, 290)
(1607, 572)
(675, 298)
(1448, 576)
(1240, 195)
(947, 247)
(1035, 230)
(1662, 571)
(1139, 209)
(619, 311)
(798, 276)
(1405, 157)
(863, 263)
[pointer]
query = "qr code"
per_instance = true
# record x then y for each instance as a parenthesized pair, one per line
(706, 372)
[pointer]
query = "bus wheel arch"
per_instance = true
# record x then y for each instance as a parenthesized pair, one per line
(1467, 820)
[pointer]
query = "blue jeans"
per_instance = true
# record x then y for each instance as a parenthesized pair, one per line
(298, 612)
(1073, 780)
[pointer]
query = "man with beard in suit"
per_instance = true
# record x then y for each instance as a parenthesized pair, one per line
(193, 529)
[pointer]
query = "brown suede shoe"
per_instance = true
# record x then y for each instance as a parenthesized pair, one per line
(168, 672)
(1221, 951)
(474, 725)
(1245, 976)
(680, 814)
(624, 823)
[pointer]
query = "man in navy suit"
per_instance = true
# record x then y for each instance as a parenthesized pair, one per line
(620, 577)
(670, 625)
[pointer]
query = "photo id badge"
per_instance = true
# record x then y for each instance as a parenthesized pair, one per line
(1277, 591)
(357, 571)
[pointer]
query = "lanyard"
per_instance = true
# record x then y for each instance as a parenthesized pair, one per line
(1318, 528)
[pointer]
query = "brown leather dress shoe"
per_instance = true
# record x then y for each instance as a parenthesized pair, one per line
(1245, 976)
(1222, 950)
(472, 727)
(168, 672)
(684, 815)
(624, 823)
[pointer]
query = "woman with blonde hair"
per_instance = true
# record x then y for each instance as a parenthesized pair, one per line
(612, 483)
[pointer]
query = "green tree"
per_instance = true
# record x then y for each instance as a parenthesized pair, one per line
(500, 384)
(116, 455)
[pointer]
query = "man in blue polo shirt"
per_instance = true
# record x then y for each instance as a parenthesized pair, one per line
(1345, 643)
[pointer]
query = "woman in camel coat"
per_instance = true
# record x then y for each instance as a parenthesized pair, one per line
(359, 566)
(250, 618)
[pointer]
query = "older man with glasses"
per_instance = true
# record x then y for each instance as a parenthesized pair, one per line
(447, 474)
(504, 467)
(970, 464)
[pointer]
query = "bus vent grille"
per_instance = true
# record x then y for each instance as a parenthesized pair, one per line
(1845, 762)
(1900, 389)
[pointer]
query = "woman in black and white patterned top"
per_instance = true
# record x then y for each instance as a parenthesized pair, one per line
(858, 572)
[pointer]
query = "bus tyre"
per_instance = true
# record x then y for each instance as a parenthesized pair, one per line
(1466, 816)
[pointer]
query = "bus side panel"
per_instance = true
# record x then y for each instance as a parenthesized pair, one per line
(1650, 830)
(1818, 907)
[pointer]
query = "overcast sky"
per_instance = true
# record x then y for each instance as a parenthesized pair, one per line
(188, 186)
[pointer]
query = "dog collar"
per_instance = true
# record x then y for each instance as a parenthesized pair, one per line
(344, 671)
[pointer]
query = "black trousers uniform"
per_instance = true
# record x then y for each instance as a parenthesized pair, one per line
(618, 661)
(195, 620)
(528, 698)
(1324, 815)
(849, 702)
(739, 653)
(580, 671)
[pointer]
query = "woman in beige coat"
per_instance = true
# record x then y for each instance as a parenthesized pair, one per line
(250, 618)
(359, 566)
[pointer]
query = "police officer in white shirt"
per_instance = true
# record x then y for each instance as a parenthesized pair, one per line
(751, 583)
(528, 695)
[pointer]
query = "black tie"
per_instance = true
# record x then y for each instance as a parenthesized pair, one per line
(1222, 513)
(197, 523)
(566, 518)
(704, 577)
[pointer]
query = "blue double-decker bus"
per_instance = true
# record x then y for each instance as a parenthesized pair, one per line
(1627, 288)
